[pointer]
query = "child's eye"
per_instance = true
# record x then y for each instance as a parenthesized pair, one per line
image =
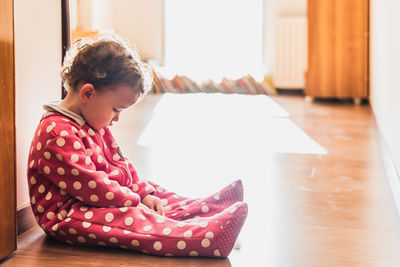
(115, 110)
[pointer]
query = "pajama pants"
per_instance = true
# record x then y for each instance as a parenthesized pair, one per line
(204, 227)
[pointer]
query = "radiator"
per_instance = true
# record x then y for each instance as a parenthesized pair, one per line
(290, 53)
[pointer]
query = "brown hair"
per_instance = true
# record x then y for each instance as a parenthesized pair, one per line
(106, 61)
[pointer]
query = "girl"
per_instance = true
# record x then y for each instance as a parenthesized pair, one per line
(84, 191)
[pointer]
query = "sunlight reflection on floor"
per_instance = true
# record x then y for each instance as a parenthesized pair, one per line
(253, 124)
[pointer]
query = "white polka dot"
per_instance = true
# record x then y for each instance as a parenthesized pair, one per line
(135, 243)
(64, 133)
(59, 204)
(92, 236)
(54, 227)
(109, 217)
(63, 192)
(203, 224)
(38, 134)
(193, 253)
(106, 229)
(38, 146)
(92, 184)
(88, 160)
(217, 196)
(107, 181)
(115, 172)
(129, 221)
(217, 253)
(124, 209)
(60, 141)
(164, 202)
(46, 169)
(182, 203)
(50, 215)
(167, 231)
(123, 189)
(49, 195)
(70, 212)
(47, 155)
(62, 185)
(33, 200)
(101, 131)
(99, 159)
(128, 203)
(147, 228)
(160, 219)
(141, 216)
(127, 232)
(72, 231)
(181, 244)
(31, 164)
(180, 224)
(86, 224)
(110, 195)
(89, 152)
(62, 232)
(113, 240)
(41, 189)
(89, 215)
(209, 235)
(205, 243)
(232, 209)
(147, 188)
(77, 145)
(188, 234)
(94, 198)
(77, 185)
(91, 132)
(81, 239)
(73, 129)
(135, 187)
(175, 196)
(83, 208)
(116, 157)
(98, 149)
(49, 128)
(59, 157)
(82, 133)
(204, 209)
(60, 171)
(33, 180)
(74, 172)
(74, 158)
(157, 245)
(101, 243)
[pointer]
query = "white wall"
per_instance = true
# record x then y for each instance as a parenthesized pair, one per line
(37, 81)
(385, 72)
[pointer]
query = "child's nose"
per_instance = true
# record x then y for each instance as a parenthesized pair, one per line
(116, 117)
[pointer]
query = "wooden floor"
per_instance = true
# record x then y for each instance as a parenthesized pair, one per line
(313, 178)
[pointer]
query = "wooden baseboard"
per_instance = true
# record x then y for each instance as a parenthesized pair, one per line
(25, 219)
(391, 172)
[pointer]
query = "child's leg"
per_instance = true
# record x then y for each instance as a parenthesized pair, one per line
(182, 208)
(133, 228)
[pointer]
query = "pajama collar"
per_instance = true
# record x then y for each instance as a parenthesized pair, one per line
(54, 107)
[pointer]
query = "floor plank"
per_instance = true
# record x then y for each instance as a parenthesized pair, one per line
(313, 178)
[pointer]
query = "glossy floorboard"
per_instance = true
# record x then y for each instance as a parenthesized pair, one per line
(313, 178)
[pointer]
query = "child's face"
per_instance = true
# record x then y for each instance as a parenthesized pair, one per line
(104, 107)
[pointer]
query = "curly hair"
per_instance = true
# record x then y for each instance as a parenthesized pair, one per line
(105, 61)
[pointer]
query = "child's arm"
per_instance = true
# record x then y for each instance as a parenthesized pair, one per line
(73, 171)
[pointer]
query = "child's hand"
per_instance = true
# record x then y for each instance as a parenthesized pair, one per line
(154, 204)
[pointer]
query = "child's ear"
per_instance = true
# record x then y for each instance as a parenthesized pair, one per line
(86, 92)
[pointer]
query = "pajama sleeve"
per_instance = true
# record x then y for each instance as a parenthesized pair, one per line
(140, 186)
(66, 164)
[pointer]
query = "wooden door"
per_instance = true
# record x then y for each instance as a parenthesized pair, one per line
(8, 235)
(337, 49)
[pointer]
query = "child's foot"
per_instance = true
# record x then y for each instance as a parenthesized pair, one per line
(230, 231)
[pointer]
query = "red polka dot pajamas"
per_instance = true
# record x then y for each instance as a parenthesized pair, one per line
(83, 191)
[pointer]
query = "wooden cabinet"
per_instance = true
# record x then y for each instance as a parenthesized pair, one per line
(8, 236)
(337, 49)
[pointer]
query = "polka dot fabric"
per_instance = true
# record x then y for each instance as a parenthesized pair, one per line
(84, 191)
